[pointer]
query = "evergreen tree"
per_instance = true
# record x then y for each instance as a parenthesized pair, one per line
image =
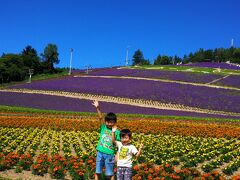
(165, 60)
(236, 56)
(157, 61)
(138, 58)
(31, 59)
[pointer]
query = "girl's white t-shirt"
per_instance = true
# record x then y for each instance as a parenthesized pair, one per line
(125, 154)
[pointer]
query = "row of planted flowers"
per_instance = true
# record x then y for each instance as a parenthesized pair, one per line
(154, 126)
(57, 166)
(186, 152)
(83, 168)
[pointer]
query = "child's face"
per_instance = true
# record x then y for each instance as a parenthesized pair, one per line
(110, 124)
(125, 140)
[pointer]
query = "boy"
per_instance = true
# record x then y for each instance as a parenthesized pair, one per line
(125, 152)
(105, 147)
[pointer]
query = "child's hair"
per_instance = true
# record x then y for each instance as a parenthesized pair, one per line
(111, 117)
(125, 132)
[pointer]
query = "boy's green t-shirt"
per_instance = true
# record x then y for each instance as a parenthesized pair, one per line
(105, 143)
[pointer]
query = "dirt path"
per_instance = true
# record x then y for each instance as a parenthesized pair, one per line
(25, 175)
(61, 152)
(218, 79)
(37, 152)
(71, 145)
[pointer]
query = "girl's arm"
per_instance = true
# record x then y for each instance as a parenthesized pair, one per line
(140, 150)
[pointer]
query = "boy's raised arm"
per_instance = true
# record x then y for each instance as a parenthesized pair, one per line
(114, 128)
(96, 105)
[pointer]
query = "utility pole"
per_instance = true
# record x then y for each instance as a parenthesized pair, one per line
(232, 42)
(173, 60)
(70, 68)
(127, 56)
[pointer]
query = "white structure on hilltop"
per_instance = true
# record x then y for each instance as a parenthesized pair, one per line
(126, 61)
(30, 72)
(232, 42)
(70, 68)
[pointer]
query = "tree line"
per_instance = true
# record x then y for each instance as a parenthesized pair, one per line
(15, 67)
(217, 55)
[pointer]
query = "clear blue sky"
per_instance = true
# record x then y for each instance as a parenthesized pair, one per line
(100, 30)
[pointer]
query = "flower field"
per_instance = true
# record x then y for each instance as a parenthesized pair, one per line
(64, 146)
(184, 142)
(169, 75)
(164, 92)
(231, 81)
(134, 91)
(49, 102)
(198, 78)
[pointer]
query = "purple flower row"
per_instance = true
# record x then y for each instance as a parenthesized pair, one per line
(231, 81)
(214, 65)
(189, 95)
(159, 74)
(69, 104)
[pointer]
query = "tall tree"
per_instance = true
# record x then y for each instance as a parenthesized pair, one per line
(146, 62)
(13, 68)
(138, 58)
(31, 59)
(236, 56)
(157, 61)
(199, 55)
(29, 51)
(186, 58)
(219, 55)
(208, 55)
(165, 60)
(50, 56)
(3, 72)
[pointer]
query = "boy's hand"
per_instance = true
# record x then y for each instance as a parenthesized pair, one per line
(114, 128)
(95, 104)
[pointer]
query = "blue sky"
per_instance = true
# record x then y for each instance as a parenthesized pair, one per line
(99, 31)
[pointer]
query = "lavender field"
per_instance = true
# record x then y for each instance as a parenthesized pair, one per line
(49, 102)
(189, 95)
(169, 75)
(230, 81)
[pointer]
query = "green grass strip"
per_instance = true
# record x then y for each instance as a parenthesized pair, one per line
(42, 111)
(191, 69)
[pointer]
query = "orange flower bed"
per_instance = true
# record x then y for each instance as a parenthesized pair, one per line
(146, 126)
(183, 128)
